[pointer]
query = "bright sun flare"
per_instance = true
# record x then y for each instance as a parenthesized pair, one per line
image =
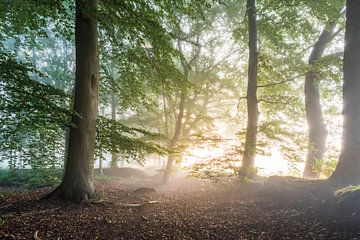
(274, 164)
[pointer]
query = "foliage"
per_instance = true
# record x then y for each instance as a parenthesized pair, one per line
(215, 169)
(21, 19)
(29, 178)
(34, 116)
(143, 45)
(31, 116)
(133, 143)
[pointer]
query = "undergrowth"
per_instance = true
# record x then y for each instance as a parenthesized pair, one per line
(27, 178)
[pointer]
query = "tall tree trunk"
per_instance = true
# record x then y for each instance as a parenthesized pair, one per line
(348, 168)
(183, 95)
(101, 166)
(166, 114)
(314, 115)
(114, 156)
(248, 163)
(77, 184)
(178, 126)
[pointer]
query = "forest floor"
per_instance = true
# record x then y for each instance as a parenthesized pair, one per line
(281, 208)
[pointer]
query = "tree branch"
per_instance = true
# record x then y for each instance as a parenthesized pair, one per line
(267, 101)
(281, 82)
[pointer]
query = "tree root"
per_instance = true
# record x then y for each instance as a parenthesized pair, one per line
(70, 194)
(97, 201)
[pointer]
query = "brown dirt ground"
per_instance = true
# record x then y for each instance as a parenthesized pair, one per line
(191, 209)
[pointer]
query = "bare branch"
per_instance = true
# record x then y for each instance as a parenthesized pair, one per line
(281, 82)
(267, 101)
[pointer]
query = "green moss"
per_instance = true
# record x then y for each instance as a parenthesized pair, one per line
(104, 178)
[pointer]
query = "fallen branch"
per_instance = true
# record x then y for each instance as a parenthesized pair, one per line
(35, 236)
(137, 204)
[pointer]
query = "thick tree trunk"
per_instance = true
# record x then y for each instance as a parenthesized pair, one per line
(314, 115)
(348, 168)
(247, 168)
(77, 184)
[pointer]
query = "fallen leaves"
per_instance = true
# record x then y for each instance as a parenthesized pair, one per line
(191, 212)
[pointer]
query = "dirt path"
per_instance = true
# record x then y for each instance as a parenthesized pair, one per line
(190, 210)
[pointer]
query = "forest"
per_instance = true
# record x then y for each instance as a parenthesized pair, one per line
(180, 119)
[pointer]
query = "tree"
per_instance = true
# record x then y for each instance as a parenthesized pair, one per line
(113, 103)
(348, 168)
(186, 67)
(77, 183)
(317, 127)
(252, 102)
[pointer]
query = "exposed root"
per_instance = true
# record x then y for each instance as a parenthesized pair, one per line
(51, 194)
(97, 201)
(71, 194)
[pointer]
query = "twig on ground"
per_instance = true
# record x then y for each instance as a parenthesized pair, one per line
(137, 204)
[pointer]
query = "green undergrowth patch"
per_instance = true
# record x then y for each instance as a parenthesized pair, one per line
(27, 178)
(104, 178)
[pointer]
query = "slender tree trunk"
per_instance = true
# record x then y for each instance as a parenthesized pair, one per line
(179, 120)
(348, 168)
(114, 156)
(77, 184)
(101, 166)
(166, 114)
(247, 168)
(172, 156)
(314, 115)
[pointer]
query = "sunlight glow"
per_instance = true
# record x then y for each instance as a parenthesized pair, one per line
(274, 164)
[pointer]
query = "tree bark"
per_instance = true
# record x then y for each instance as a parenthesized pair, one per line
(314, 115)
(101, 166)
(114, 156)
(248, 163)
(77, 184)
(179, 120)
(178, 126)
(348, 168)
